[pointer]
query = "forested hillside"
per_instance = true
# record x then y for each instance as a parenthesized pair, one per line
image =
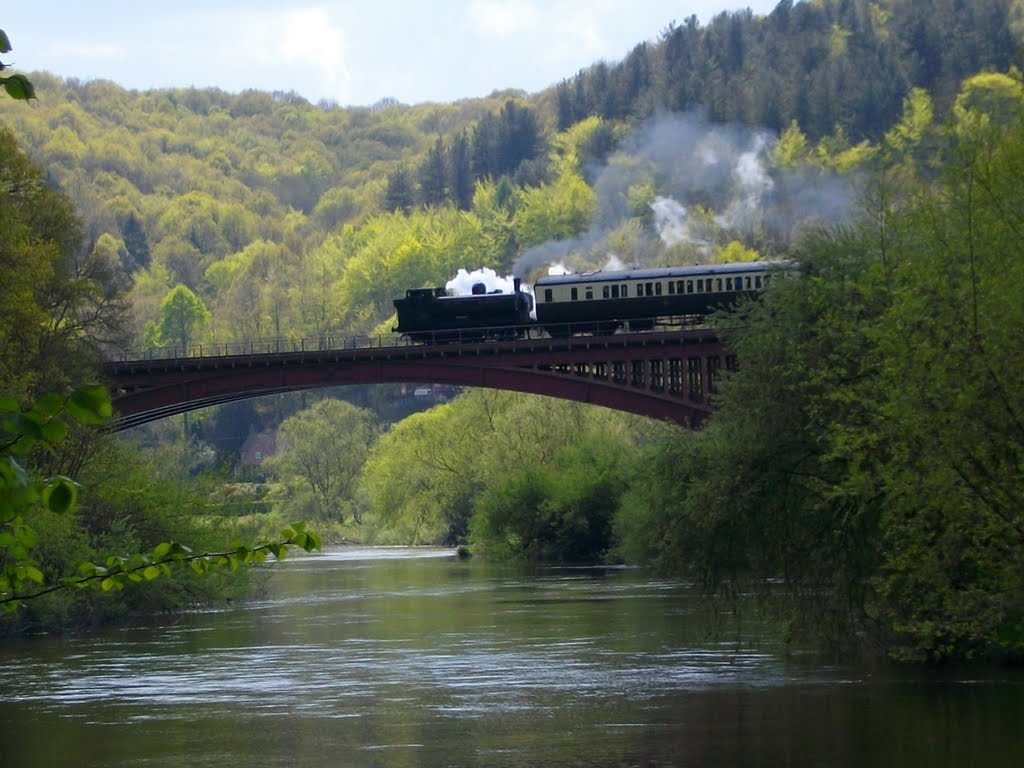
(287, 218)
(868, 454)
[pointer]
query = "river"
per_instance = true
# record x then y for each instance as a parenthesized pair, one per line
(412, 657)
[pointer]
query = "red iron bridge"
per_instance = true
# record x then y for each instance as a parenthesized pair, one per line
(663, 374)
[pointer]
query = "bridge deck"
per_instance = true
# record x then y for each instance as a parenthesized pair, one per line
(661, 374)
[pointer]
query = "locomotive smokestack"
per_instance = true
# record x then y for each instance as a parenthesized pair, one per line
(515, 285)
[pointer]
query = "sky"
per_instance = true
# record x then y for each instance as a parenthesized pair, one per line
(351, 52)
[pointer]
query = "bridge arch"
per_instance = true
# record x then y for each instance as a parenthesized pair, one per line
(661, 375)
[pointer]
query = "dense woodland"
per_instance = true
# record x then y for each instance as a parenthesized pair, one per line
(867, 456)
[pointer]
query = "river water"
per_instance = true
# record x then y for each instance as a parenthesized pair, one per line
(399, 657)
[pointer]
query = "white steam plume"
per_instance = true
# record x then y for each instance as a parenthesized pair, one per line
(463, 282)
(692, 163)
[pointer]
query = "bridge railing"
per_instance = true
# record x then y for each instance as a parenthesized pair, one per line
(339, 342)
(257, 347)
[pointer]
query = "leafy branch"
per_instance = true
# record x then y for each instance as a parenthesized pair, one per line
(17, 86)
(161, 561)
(41, 428)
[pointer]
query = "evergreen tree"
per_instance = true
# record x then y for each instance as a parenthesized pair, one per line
(519, 137)
(135, 243)
(565, 109)
(399, 195)
(433, 175)
(460, 180)
(484, 152)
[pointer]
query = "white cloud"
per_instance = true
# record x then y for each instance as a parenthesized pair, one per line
(556, 36)
(300, 46)
(504, 18)
(308, 36)
(115, 52)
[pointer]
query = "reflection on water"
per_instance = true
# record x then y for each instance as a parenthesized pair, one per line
(394, 657)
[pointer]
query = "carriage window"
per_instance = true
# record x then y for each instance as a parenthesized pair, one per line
(575, 293)
(748, 282)
(700, 285)
(625, 290)
(605, 293)
(589, 293)
(547, 295)
(650, 292)
(671, 287)
(728, 283)
(615, 291)
(718, 283)
(657, 289)
(689, 286)
(757, 281)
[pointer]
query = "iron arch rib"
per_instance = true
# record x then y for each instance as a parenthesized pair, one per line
(661, 375)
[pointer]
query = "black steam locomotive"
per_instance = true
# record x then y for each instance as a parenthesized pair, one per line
(593, 302)
(431, 315)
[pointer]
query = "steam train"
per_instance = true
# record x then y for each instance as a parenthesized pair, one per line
(591, 302)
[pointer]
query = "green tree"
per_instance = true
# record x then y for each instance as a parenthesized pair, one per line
(791, 149)
(555, 512)
(325, 447)
(949, 421)
(433, 175)
(493, 462)
(183, 315)
(557, 211)
(909, 137)
(57, 301)
(460, 180)
(399, 195)
(422, 475)
(868, 451)
(135, 243)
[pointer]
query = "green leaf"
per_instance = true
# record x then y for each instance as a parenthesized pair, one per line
(18, 87)
(26, 424)
(54, 431)
(162, 550)
(90, 404)
(48, 405)
(5, 42)
(180, 551)
(151, 572)
(33, 573)
(59, 496)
